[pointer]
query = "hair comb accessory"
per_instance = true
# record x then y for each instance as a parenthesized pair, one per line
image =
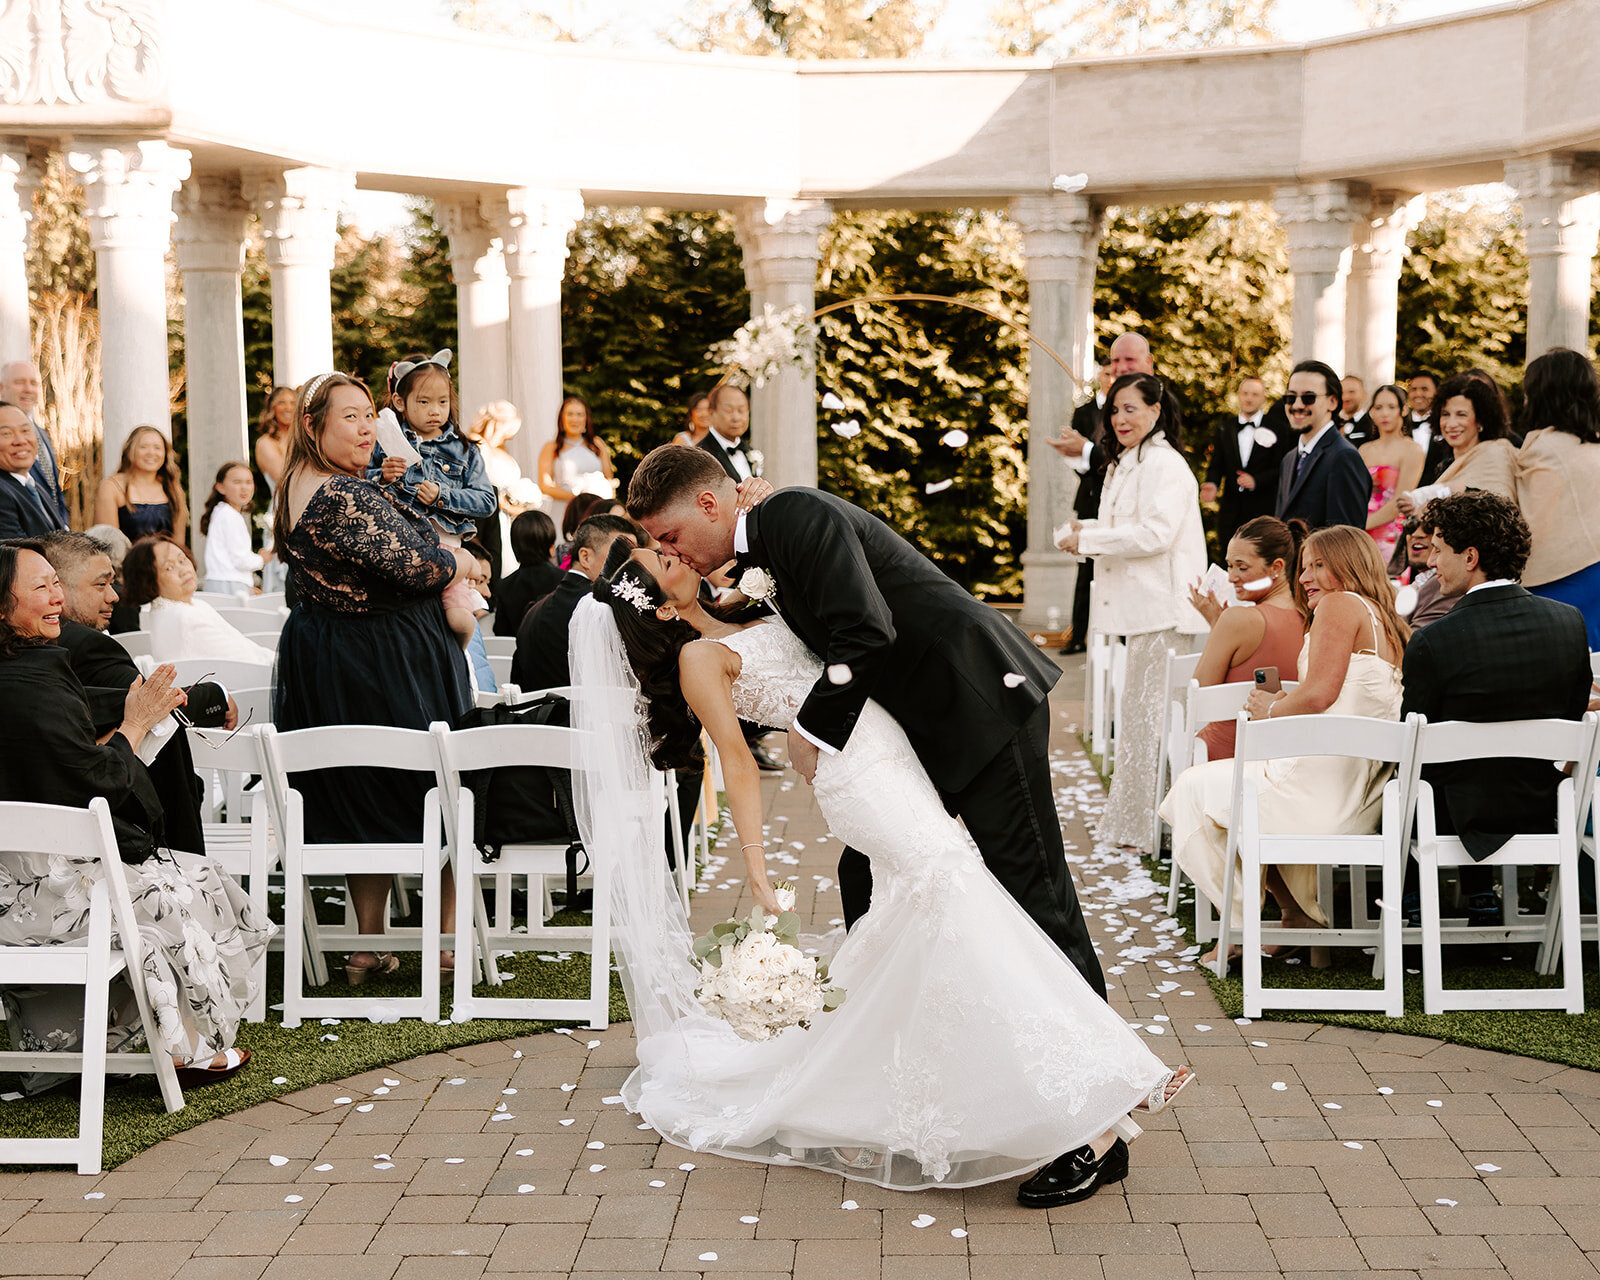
(629, 590)
(441, 359)
(315, 385)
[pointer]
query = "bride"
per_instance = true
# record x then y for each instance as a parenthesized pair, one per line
(969, 1050)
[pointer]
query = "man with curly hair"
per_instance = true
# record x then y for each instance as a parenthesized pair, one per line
(1499, 654)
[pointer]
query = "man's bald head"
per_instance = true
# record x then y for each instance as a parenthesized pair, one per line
(1130, 353)
(21, 385)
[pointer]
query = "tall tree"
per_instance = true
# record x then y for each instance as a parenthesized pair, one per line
(1022, 28)
(848, 28)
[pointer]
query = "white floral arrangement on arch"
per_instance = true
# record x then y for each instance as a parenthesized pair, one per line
(754, 976)
(767, 344)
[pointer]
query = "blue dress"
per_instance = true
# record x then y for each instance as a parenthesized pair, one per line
(366, 642)
(1582, 591)
(142, 519)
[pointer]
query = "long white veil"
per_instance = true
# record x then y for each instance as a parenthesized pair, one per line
(619, 808)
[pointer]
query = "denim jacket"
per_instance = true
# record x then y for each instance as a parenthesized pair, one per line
(452, 463)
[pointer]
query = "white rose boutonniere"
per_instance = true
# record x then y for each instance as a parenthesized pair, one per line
(757, 584)
(757, 460)
(1266, 437)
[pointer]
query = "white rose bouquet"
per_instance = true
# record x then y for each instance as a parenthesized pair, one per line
(763, 346)
(754, 976)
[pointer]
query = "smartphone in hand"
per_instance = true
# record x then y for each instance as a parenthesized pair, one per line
(1267, 678)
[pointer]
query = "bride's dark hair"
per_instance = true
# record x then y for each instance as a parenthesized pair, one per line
(652, 646)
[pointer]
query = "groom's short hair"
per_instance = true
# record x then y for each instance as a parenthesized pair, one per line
(669, 473)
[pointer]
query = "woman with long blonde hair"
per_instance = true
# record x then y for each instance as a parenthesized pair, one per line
(1349, 666)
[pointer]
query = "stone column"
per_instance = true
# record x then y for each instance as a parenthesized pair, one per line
(212, 217)
(781, 240)
(128, 189)
(299, 211)
(16, 212)
(534, 227)
(1561, 207)
(1061, 237)
(1320, 219)
(483, 304)
(1372, 298)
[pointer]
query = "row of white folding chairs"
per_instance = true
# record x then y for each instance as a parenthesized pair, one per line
(1105, 668)
(91, 963)
(1407, 806)
(265, 602)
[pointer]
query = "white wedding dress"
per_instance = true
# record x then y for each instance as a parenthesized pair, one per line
(969, 1048)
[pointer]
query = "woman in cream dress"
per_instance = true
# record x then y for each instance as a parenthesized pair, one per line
(1349, 666)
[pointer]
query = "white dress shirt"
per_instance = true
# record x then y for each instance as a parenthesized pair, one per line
(736, 455)
(228, 554)
(1421, 431)
(1493, 582)
(1247, 437)
(1306, 445)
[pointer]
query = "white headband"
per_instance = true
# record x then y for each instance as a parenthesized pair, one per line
(440, 359)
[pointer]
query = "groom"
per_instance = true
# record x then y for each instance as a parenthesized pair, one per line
(967, 687)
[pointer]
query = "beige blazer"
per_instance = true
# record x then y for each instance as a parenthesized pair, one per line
(1558, 488)
(1491, 465)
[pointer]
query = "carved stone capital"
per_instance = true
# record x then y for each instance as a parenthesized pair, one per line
(1389, 217)
(1560, 197)
(213, 216)
(475, 249)
(782, 240)
(128, 189)
(19, 175)
(534, 227)
(70, 52)
(299, 211)
(1321, 219)
(1060, 236)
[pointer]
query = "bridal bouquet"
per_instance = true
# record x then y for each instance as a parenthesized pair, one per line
(754, 976)
(763, 346)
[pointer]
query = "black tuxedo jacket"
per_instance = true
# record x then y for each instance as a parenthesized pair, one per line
(518, 591)
(1087, 421)
(21, 512)
(105, 670)
(1236, 506)
(710, 445)
(1357, 430)
(1333, 488)
(960, 679)
(1499, 654)
(1439, 456)
(541, 660)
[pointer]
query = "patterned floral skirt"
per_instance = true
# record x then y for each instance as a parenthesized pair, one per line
(202, 937)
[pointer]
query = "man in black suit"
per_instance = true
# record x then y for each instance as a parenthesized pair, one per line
(1420, 393)
(1354, 423)
(21, 385)
(541, 660)
(1322, 480)
(26, 510)
(105, 670)
(1086, 425)
(1245, 461)
(730, 421)
(1500, 654)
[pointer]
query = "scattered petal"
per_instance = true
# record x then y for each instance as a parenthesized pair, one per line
(1154, 1030)
(525, 1151)
(391, 1083)
(656, 1182)
(1011, 680)
(507, 1092)
(612, 1100)
(1487, 1168)
(95, 1195)
(923, 1220)
(323, 1168)
(954, 438)
(708, 1257)
(1332, 1106)
(278, 1161)
(1279, 1085)
(1241, 1022)
(832, 402)
(839, 673)
(845, 430)
(454, 1160)
(384, 1164)
(960, 1233)
(1200, 1026)
(280, 1079)
(568, 1088)
(1443, 1201)
(593, 1044)
(849, 1204)
(329, 1036)
(293, 1199)
(1259, 1044)
(938, 486)
(380, 1090)
(597, 1168)
(1434, 1102)
(343, 1102)
(597, 1146)
(503, 1116)
(517, 1054)
(749, 1219)
(330, 1022)
(457, 1080)
(525, 1188)
(687, 1168)
(569, 1121)
(1385, 1089)
(365, 1106)
(1354, 1146)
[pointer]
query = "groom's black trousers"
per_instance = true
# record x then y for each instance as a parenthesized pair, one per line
(1009, 810)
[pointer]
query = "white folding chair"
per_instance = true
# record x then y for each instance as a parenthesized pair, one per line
(500, 664)
(90, 963)
(1117, 675)
(1574, 741)
(337, 747)
(515, 746)
(266, 639)
(247, 621)
(137, 643)
(1594, 665)
(218, 599)
(500, 646)
(1350, 737)
(266, 602)
(225, 671)
(1097, 669)
(1179, 671)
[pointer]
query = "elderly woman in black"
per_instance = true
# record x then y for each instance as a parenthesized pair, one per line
(201, 934)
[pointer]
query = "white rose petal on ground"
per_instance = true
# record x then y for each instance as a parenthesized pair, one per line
(1279, 1085)
(1449, 1203)
(1487, 1168)
(384, 1164)
(960, 1233)
(323, 1168)
(525, 1151)
(1355, 1146)
(749, 1219)
(1434, 1102)
(612, 1100)
(95, 1195)
(1332, 1106)
(278, 1161)
(454, 1160)
(280, 1079)
(597, 1146)
(1385, 1089)
(365, 1106)
(849, 1204)
(597, 1168)
(708, 1257)
(686, 1168)
(525, 1188)
(566, 1122)
(293, 1199)
(923, 1220)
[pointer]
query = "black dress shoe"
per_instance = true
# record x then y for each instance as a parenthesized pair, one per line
(1073, 1177)
(1075, 646)
(765, 760)
(1483, 911)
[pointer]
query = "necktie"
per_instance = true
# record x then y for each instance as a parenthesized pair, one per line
(1300, 461)
(43, 503)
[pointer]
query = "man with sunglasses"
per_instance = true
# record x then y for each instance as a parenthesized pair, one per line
(105, 670)
(1323, 480)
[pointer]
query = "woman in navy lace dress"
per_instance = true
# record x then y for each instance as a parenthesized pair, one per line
(367, 641)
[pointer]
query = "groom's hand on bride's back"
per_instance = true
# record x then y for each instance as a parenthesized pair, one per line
(803, 755)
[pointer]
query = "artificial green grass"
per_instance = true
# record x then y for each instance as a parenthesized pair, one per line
(135, 1120)
(1548, 1035)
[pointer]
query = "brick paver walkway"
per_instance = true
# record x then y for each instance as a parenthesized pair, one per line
(1301, 1151)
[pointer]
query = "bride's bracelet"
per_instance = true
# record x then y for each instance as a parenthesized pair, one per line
(743, 847)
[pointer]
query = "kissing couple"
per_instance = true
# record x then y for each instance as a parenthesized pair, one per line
(976, 1043)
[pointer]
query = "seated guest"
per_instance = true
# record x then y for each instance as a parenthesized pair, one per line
(106, 671)
(201, 934)
(1501, 654)
(541, 658)
(533, 542)
(124, 616)
(159, 572)
(1425, 603)
(1261, 557)
(1469, 414)
(26, 510)
(1349, 666)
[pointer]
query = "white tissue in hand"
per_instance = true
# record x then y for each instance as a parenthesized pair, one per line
(393, 440)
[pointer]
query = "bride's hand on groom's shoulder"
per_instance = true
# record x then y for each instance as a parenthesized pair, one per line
(750, 492)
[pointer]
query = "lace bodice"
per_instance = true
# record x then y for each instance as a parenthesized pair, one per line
(776, 673)
(353, 552)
